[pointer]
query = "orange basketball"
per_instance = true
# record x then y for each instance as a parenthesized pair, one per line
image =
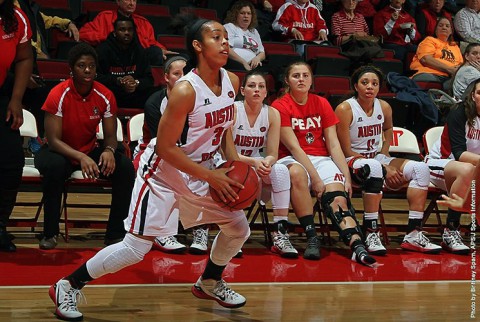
(244, 174)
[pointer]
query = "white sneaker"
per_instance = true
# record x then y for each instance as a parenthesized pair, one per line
(169, 244)
(416, 241)
(65, 298)
(374, 244)
(283, 246)
(218, 291)
(199, 244)
(452, 242)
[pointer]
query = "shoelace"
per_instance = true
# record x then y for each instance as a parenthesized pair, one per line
(223, 289)
(199, 236)
(284, 241)
(374, 240)
(422, 239)
(457, 239)
(72, 297)
(312, 242)
(171, 240)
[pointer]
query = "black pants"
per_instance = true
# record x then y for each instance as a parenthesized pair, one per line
(56, 168)
(12, 161)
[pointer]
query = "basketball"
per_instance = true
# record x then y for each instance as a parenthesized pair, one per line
(244, 174)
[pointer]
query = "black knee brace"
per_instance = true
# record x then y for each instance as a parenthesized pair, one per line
(358, 175)
(373, 185)
(337, 217)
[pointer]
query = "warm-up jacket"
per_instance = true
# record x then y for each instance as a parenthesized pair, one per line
(306, 19)
(96, 31)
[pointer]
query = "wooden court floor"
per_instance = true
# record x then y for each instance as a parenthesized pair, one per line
(380, 301)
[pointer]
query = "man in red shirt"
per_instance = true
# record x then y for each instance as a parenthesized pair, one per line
(96, 31)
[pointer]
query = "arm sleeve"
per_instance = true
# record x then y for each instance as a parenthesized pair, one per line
(426, 47)
(463, 29)
(456, 130)
(51, 104)
(285, 119)
(380, 28)
(113, 104)
(103, 73)
(421, 22)
(55, 22)
(281, 22)
(94, 32)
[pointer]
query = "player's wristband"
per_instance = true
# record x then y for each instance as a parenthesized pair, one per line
(110, 148)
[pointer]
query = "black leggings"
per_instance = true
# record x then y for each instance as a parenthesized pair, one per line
(56, 168)
(12, 161)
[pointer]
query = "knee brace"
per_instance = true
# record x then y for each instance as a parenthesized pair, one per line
(418, 174)
(113, 258)
(279, 178)
(229, 241)
(337, 217)
(367, 173)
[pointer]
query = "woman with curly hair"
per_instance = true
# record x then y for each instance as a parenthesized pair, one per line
(247, 50)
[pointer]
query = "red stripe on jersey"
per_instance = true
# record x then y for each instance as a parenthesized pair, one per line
(141, 194)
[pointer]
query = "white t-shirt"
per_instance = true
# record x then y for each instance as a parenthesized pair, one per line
(247, 44)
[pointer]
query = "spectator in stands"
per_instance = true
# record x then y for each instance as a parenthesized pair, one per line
(16, 49)
(247, 51)
(300, 21)
(347, 23)
(123, 65)
(468, 72)
(368, 9)
(74, 108)
(438, 57)
(459, 141)
(40, 23)
(467, 22)
(397, 28)
(366, 122)
(98, 30)
(314, 157)
(154, 108)
(428, 14)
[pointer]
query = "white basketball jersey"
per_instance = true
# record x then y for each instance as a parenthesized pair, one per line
(209, 119)
(366, 131)
(250, 139)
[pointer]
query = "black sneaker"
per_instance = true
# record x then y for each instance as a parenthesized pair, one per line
(312, 252)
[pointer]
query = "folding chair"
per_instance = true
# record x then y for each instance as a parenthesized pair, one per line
(77, 179)
(429, 139)
(30, 176)
(405, 142)
(134, 131)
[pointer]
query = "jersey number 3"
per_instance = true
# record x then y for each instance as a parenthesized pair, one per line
(218, 136)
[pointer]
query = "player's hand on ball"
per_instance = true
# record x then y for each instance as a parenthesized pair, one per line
(223, 184)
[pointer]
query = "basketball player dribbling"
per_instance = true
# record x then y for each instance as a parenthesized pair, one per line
(174, 176)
